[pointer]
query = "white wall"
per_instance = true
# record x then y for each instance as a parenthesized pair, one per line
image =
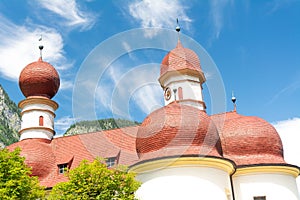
(184, 183)
(273, 186)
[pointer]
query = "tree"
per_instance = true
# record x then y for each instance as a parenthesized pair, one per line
(15, 180)
(95, 181)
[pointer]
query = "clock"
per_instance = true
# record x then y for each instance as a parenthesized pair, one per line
(167, 94)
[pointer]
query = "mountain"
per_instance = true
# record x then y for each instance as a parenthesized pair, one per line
(10, 120)
(98, 125)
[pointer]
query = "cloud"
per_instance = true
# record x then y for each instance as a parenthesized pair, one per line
(158, 14)
(71, 13)
(62, 124)
(120, 86)
(65, 84)
(276, 5)
(217, 9)
(19, 47)
(288, 89)
(289, 133)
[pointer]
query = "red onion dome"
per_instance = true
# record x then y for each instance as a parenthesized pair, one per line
(180, 58)
(177, 130)
(39, 79)
(250, 140)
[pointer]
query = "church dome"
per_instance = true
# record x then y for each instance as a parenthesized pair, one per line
(250, 140)
(39, 79)
(179, 59)
(177, 130)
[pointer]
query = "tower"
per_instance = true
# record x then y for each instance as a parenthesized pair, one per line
(39, 82)
(178, 145)
(181, 77)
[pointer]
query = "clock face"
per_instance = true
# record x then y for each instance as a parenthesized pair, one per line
(167, 93)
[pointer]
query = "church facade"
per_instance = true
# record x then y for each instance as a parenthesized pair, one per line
(178, 152)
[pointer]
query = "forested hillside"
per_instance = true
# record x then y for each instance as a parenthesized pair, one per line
(97, 125)
(10, 120)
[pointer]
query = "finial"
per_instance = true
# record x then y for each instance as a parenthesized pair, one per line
(177, 27)
(233, 99)
(41, 47)
(175, 90)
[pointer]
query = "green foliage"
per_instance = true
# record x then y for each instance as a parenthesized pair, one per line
(95, 181)
(15, 180)
(101, 124)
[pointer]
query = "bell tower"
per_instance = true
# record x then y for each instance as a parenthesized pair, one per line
(181, 76)
(39, 82)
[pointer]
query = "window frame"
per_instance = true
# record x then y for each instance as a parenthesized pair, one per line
(62, 168)
(111, 161)
(259, 198)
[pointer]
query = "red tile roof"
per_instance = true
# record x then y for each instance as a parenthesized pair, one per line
(176, 130)
(248, 140)
(180, 58)
(44, 156)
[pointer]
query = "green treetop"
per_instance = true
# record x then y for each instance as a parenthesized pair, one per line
(15, 180)
(96, 181)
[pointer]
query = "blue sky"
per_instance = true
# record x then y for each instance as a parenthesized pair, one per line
(255, 46)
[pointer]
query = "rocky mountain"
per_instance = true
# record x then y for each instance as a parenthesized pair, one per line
(10, 120)
(97, 125)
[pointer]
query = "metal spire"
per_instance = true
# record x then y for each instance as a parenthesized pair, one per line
(41, 47)
(233, 99)
(178, 30)
(177, 27)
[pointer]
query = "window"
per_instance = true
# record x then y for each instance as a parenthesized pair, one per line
(259, 198)
(110, 161)
(62, 168)
(180, 95)
(41, 121)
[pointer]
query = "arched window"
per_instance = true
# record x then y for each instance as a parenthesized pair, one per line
(41, 121)
(180, 95)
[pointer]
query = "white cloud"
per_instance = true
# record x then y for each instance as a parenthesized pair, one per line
(120, 86)
(289, 132)
(62, 124)
(19, 47)
(147, 97)
(65, 84)
(217, 9)
(70, 12)
(158, 14)
(276, 5)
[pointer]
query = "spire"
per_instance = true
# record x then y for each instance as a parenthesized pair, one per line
(233, 99)
(177, 27)
(178, 30)
(41, 47)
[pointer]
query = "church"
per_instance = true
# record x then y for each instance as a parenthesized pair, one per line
(178, 151)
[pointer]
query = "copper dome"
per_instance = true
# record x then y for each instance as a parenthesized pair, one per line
(180, 58)
(176, 130)
(39, 79)
(250, 140)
